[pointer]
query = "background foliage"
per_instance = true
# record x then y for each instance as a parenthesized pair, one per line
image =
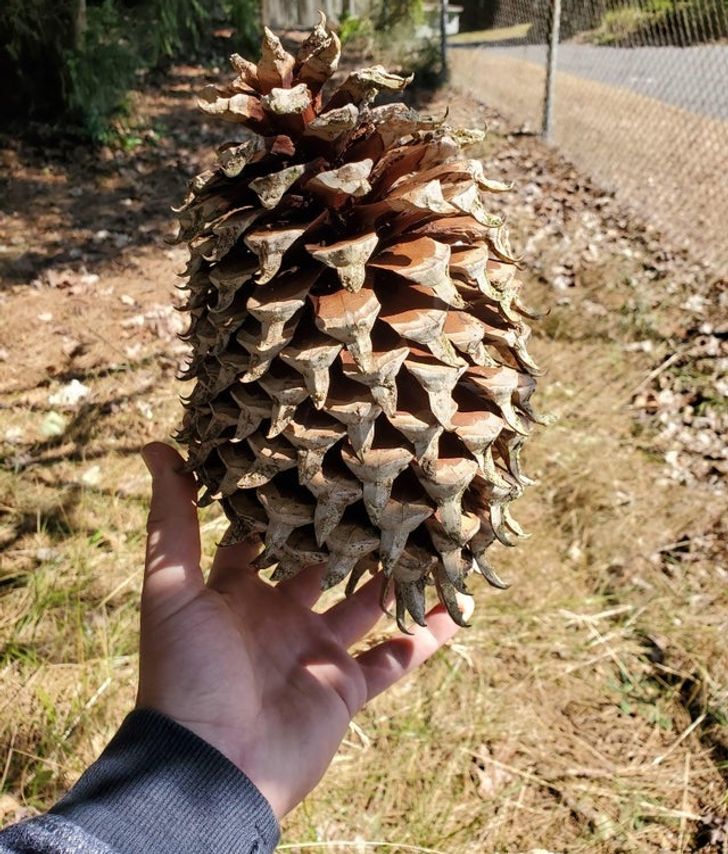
(70, 64)
(613, 22)
(394, 33)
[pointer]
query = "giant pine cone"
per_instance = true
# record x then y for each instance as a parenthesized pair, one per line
(362, 381)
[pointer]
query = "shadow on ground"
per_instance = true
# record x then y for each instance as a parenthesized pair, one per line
(84, 206)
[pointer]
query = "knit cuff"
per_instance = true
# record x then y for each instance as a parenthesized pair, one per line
(159, 787)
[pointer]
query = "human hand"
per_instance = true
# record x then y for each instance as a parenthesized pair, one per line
(247, 665)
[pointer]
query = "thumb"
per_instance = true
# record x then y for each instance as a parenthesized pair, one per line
(172, 571)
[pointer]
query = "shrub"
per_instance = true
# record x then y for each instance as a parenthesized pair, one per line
(98, 72)
(619, 25)
(76, 78)
(390, 33)
(679, 22)
(356, 30)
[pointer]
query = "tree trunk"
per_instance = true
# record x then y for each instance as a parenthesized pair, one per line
(78, 23)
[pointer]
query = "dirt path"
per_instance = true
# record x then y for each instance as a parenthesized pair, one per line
(585, 708)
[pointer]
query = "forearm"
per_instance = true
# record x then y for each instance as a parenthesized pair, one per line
(157, 787)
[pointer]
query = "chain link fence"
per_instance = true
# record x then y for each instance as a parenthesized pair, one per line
(639, 99)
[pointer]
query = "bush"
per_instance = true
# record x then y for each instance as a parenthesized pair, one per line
(356, 30)
(390, 14)
(619, 25)
(390, 33)
(33, 34)
(98, 72)
(75, 78)
(678, 22)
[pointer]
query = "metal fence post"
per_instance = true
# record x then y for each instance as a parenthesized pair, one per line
(552, 51)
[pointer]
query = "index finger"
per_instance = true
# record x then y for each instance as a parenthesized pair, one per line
(172, 568)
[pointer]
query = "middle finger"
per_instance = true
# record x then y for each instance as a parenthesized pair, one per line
(356, 615)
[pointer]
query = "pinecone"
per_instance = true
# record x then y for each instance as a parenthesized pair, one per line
(362, 381)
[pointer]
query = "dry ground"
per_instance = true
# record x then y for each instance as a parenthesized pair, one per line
(585, 710)
(498, 34)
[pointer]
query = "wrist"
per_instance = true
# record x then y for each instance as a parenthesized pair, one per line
(230, 743)
(159, 787)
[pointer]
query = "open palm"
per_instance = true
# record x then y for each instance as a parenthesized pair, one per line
(248, 666)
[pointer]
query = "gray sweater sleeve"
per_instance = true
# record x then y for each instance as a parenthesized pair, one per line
(156, 788)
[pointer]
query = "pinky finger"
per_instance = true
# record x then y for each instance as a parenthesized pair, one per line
(387, 663)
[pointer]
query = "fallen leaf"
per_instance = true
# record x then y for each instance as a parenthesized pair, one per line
(92, 476)
(13, 435)
(54, 424)
(69, 395)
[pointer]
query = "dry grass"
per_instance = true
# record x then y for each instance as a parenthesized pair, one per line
(561, 719)
(581, 712)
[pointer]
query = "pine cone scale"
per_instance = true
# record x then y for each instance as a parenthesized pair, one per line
(359, 344)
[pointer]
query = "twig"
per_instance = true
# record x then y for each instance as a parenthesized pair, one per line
(89, 704)
(661, 368)
(6, 769)
(119, 587)
(363, 737)
(602, 615)
(513, 770)
(676, 545)
(650, 807)
(42, 759)
(683, 818)
(598, 637)
(694, 725)
(571, 668)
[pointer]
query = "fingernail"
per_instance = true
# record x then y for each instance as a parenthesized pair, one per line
(151, 460)
(467, 606)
